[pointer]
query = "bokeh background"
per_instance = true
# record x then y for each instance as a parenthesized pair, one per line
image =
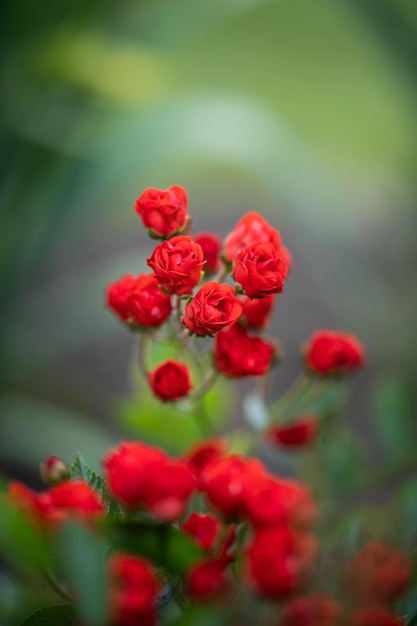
(302, 110)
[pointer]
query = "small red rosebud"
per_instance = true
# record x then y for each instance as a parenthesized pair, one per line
(236, 354)
(302, 432)
(318, 610)
(53, 470)
(214, 307)
(210, 244)
(373, 616)
(331, 353)
(378, 574)
(207, 579)
(170, 380)
(177, 264)
(260, 270)
(251, 228)
(118, 294)
(133, 591)
(163, 212)
(203, 528)
(147, 303)
(257, 311)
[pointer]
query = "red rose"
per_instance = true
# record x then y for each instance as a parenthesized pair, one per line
(210, 243)
(207, 579)
(379, 573)
(203, 528)
(225, 481)
(330, 352)
(140, 476)
(163, 212)
(170, 380)
(67, 499)
(278, 560)
(118, 294)
(270, 501)
(236, 354)
(374, 616)
(260, 270)
(319, 610)
(177, 264)
(201, 455)
(133, 591)
(251, 228)
(148, 304)
(257, 311)
(214, 307)
(301, 432)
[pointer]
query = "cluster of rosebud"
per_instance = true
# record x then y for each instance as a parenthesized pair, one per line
(188, 286)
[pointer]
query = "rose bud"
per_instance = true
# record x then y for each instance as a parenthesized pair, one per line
(379, 573)
(144, 477)
(374, 616)
(251, 228)
(333, 353)
(178, 264)
(214, 307)
(53, 470)
(163, 212)
(318, 610)
(133, 590)
(236, 354)
(148, 304)
(117, 297)
(257, 311)
(203, 528)
(302, 432)
(207, 579)
(260, 270)
(170, 380)
(210, 244)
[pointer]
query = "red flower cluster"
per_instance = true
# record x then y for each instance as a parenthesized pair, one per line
(330, 353)
(142, 477)
(63, 501)
(280, 514)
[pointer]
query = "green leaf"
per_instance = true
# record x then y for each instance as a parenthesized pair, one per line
(57, 615)
(83, 557)
(164, 545)
(81, 469)
(21, 542)
(393, 415)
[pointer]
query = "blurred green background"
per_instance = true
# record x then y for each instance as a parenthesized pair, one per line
(303, 110)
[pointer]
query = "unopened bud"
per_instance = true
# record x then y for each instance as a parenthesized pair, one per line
(54, 470)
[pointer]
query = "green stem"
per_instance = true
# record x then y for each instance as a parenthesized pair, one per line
(55, 586)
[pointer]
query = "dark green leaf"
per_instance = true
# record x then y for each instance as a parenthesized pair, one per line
(83, 559)
(59, 615)
(81, 469)
(164, 545)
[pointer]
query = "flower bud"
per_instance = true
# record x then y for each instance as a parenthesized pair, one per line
(53, 470)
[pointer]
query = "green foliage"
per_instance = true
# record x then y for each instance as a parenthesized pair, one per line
(82, 557)
(164, 545)
(393, 415)
(81, 469)
(58, 615)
